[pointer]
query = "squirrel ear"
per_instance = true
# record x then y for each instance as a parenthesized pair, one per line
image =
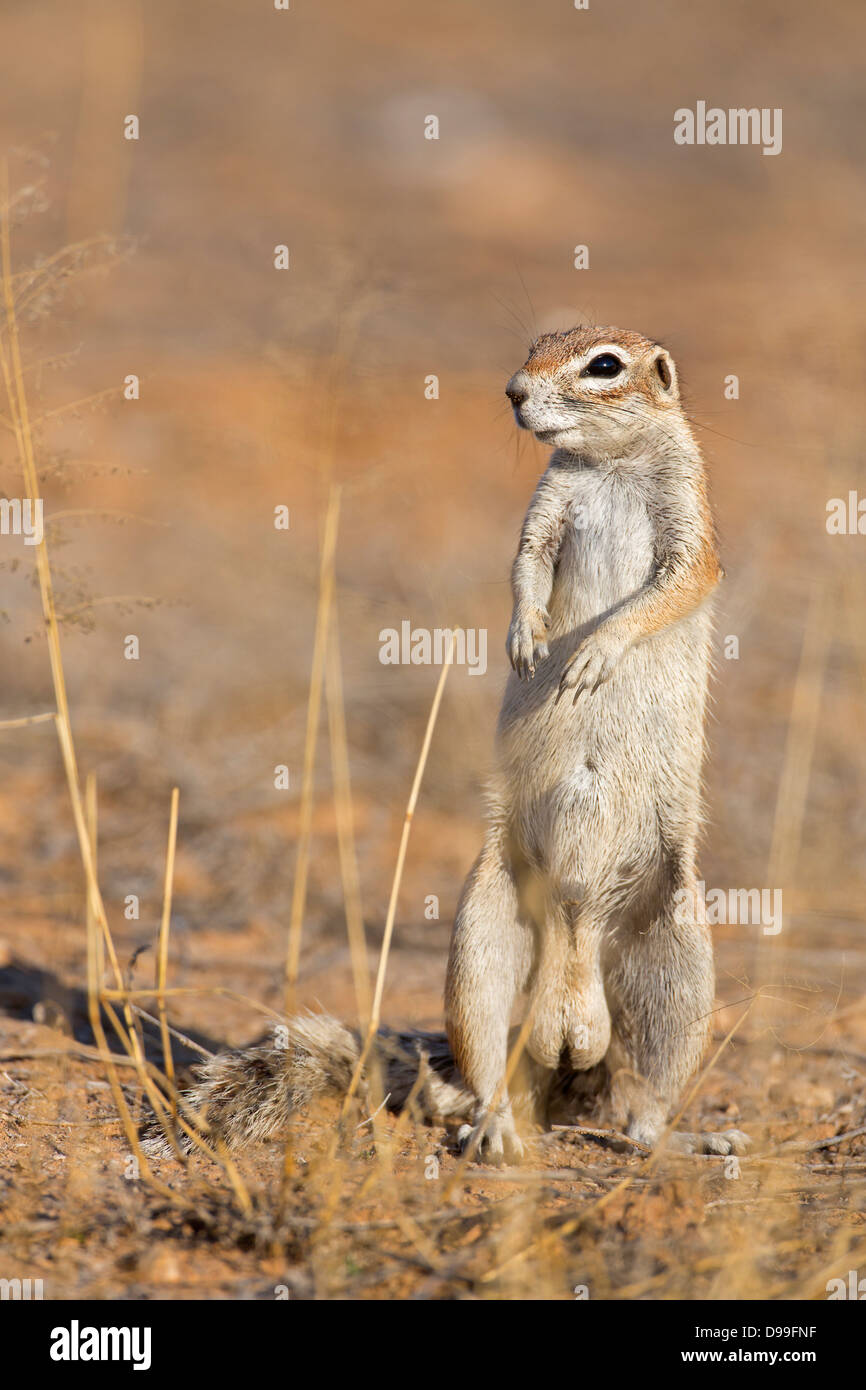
(665, 370)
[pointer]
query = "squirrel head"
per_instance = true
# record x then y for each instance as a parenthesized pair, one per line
(602, 392)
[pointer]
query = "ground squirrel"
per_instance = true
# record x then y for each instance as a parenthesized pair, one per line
(595, 804)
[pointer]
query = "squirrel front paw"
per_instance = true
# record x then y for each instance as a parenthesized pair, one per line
(592, 664)
(527, 640)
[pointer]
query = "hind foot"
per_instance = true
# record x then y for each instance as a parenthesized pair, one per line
(727, 1141)
(642, 1117)
(493, 1139)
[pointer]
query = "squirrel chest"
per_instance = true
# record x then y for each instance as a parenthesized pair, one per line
(607, 550)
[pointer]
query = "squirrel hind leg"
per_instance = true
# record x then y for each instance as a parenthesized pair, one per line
(495, 1136)
(661, 985)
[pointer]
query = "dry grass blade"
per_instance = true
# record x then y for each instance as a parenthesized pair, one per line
(375, 1015)
(91, 811)
(174, 1032)
(220, 991)
(345, 821)
(162, 953)
(299, 891)
(72, 407)
(120, 1104)
(27, 719)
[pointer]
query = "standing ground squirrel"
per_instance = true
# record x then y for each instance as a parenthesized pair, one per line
(595, 804)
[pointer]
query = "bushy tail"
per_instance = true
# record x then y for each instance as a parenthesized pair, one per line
(250, 1095)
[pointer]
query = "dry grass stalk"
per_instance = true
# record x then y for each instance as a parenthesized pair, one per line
(217, 991)
(174, 1032)
(28, 719)
(93, 1008)
(91, 810)
(328, 1169)
(345, 820)
(162, 953)
(299, 891)
(375, 1016)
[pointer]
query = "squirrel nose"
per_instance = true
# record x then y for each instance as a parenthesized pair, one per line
(516, 391)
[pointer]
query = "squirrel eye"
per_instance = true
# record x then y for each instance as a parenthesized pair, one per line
(603, 365)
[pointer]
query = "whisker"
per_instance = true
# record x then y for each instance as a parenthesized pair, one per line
(524, 334)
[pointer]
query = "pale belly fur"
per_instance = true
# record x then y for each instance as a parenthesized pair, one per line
(624, 757)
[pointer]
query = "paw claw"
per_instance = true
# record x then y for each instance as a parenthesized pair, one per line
(495, 1139)
(526, 644)
(722, 1142)
(591, 665)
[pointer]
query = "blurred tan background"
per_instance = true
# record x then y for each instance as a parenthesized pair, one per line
(412, 257)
